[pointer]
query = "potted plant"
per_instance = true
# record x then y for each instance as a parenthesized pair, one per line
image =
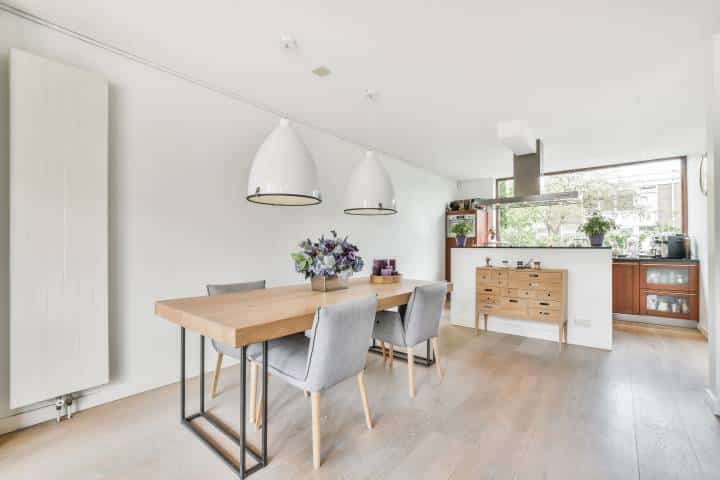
(328, 262)
(460, 229)
(595, 227)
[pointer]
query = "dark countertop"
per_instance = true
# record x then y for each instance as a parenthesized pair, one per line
(655, 260)
(516, 246)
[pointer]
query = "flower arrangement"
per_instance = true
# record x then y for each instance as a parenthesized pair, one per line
(327, 257)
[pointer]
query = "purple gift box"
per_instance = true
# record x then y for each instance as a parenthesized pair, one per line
(384, 267)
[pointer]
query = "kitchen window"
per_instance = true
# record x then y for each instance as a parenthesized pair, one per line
(644, 198)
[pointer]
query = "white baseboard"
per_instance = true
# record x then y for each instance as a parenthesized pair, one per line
(712, 401)
(703, 331)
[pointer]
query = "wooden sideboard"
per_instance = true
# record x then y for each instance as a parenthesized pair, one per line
(522, 294)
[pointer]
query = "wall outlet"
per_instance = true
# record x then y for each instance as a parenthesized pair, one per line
(583, 322)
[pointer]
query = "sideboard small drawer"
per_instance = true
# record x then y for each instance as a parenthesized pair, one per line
(545, 304)
(485, 276)
(552, 294)
(488, 290)
(543, 315)
(491, 299)
(500, 278)
(513, 305)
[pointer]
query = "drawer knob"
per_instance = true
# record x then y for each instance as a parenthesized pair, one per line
(488, 289)
(513, 300)
(544, 303)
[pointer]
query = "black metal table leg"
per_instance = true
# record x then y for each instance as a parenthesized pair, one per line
(240, 468)
(243, 408)
(182, 374)
(202, 373)
(265, 402)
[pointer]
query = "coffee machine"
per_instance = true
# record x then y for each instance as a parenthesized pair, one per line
(671, 246)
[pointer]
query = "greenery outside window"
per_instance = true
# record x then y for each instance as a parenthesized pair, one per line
(644, 198)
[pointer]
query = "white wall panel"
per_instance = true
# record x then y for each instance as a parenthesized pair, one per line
(58, 229)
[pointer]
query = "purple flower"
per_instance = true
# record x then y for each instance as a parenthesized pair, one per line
(327, 256)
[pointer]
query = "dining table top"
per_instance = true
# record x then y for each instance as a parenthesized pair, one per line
(237, 319)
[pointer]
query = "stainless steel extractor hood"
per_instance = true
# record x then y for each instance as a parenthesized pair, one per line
(527, 170)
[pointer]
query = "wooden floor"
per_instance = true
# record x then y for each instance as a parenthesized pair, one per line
(508, 408)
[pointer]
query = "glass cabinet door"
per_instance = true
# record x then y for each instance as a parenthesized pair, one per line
(667, 303)
(668, 277)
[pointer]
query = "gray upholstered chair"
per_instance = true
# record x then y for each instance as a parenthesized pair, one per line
(232, 352)
(420, 323)
(336, 350)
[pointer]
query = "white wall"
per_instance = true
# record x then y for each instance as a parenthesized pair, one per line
(698, 231)
(713, 140)
(179, 159)
(476, 188)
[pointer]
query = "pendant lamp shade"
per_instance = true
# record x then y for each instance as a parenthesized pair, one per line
(283, 172)
(370, 191)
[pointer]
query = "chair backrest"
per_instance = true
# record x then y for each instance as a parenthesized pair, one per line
(232, 288)
(422, 317)
(339, 342)
(235, 287)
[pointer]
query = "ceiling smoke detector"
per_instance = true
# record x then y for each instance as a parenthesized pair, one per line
(288, 42)
(322, 71)
(371, 94)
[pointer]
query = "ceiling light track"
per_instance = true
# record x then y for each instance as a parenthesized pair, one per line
(31, 17)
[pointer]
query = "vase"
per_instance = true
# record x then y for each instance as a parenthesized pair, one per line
(328, 284)
(597, 240)
(460, 240)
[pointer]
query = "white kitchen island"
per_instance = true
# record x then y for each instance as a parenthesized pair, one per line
(589, 291)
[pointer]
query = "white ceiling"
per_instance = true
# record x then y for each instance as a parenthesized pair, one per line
(599, 81)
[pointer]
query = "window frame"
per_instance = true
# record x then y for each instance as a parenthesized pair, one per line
(683, 183)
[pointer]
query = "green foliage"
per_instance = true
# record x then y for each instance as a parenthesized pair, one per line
(461, 228)
(618, 239)
(610, 195)
(597, 224)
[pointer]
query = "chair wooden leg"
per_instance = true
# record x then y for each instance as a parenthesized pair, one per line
(216, 375)
(363, 397)
(382, 348)
(315, 397)
(254, 367)
(259, 411)
(411, 371)
(436, 351)
(477, 322)
(392, 354)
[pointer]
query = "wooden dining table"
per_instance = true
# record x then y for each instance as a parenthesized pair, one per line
(258, 316)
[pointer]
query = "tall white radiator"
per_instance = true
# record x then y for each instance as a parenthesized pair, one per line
(58, 229)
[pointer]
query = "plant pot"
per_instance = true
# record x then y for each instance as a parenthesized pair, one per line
(460, 240)
(597, 240)
(328, 284)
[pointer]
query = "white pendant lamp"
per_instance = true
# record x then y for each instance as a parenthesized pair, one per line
(370, 191)
(283, 172)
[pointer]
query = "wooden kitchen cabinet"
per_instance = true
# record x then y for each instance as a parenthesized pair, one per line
(656, 288)
(626, 288)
